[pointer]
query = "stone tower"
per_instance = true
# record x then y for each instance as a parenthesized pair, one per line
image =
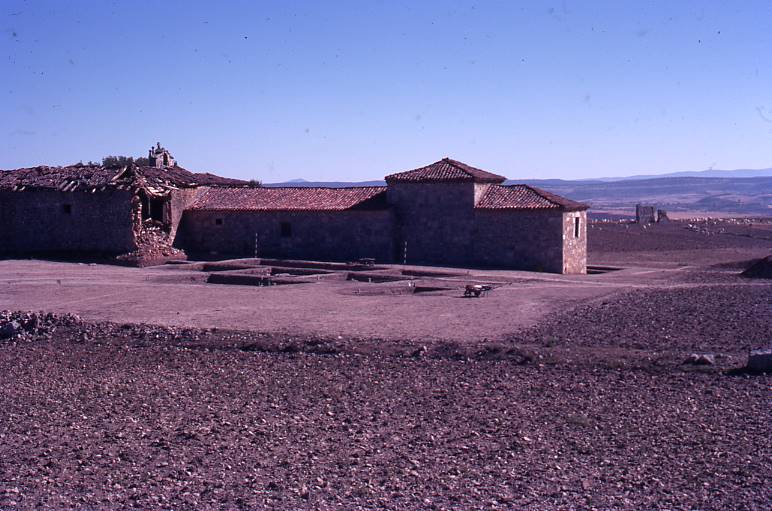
(160, 157)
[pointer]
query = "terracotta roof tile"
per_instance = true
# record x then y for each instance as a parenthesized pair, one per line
(525, 197)
(291, 199)
(446, 170)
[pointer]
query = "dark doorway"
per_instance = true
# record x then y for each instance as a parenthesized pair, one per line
(154, 209)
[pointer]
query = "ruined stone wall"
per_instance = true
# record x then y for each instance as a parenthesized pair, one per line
(332, 236)
(575, 247)
(51, 221)
(435, 219)
(645, 214)
(525, 240)
(179, 200)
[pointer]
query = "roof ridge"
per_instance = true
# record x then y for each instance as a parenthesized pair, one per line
(547, 195)
(525, 196)
(458, 165)
(446, 169)
(542, 193)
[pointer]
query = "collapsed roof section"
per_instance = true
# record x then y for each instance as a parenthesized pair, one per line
(291, 199)
(445, 170)
(90, 178)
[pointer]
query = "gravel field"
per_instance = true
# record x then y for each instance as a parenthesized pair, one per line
(117, 426)
(724, 318)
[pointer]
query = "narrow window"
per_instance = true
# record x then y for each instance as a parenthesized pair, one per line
(67, 209)
(286, 229)
(576, 227)
(218, 221)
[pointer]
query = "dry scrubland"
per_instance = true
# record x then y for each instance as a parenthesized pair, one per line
(583, 404)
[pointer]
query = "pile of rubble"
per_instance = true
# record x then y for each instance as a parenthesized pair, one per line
(153, 244)
(26, 326)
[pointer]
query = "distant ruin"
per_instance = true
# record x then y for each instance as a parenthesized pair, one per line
(645, 214)
(649, 214)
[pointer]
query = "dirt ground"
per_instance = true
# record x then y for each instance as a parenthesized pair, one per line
(553, 392)
(178, 296)
(171, 296)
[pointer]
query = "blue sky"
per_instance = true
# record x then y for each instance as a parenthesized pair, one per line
(355, 90)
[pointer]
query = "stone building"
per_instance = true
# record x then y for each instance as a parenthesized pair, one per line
(451, 213)
(92, 209)
(446, 213)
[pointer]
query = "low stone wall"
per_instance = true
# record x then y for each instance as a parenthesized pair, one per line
(51, 221)
(329, 236)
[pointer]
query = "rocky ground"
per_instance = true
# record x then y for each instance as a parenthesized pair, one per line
(591, 409)
(726, 318)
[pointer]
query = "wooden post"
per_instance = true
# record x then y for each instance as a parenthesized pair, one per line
(404, 253)
(256, 239)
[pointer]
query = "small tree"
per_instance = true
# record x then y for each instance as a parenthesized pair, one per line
(124, 161)
(254, 183)
(117, 161)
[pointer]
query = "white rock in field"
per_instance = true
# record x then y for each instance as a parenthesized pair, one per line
(701, 359)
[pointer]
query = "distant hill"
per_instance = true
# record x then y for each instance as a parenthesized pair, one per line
(700, 173)
(737, 173)
(740, 195)
(694, 193)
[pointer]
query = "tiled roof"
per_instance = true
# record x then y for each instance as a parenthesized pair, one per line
(291, 199)
(525, 197)
(446, 170)
(90, 177)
